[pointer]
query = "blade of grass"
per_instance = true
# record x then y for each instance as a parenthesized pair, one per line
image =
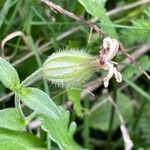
(4, 11)
(137, 88)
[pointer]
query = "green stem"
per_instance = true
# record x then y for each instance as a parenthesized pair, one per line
(29, 80)
(37, 75)
(18, 106)
(48, 142)
(31, 117)
(38, 59)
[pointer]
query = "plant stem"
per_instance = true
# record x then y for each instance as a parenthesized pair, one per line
(32, 78)
(38, 75)
(38, 59)
(18, 106)
(31, 116)
(48, 142)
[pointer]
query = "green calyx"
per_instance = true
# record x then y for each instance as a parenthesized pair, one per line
(69, 68)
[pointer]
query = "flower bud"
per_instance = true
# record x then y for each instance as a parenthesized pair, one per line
(69, 68)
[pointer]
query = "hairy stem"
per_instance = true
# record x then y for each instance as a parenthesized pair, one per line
(18, 106)
(37, 75)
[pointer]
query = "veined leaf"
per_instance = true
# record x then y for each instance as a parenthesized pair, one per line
(16, 140)
(39, 101)
(96, 9)
(10, 118)
(8, 75)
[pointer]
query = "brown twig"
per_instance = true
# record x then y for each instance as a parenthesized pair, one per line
(73, 16)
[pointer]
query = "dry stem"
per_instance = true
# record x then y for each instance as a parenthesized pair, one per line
(73, 16)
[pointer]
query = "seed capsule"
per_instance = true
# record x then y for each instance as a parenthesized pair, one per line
(69, 68)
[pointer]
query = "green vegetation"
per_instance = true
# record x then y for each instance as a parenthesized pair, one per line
(54, 60)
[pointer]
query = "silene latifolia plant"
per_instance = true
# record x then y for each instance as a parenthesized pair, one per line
(68, 68)
(72, 68)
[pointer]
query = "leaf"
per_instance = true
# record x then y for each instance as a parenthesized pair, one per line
(16, 140)
(100, 118)
(10, 119)
(59, 132)
(8, 75)
(39, 101)
(74, 96)
(96, 9)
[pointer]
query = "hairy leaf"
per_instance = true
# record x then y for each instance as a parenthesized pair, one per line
(39, 101)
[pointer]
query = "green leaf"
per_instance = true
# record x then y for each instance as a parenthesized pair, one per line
(39, 101)
(8, 75)
(100, 118)
(10, 118)
(96, 9)
(74, 96)
(59, 132)
(16, 140)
